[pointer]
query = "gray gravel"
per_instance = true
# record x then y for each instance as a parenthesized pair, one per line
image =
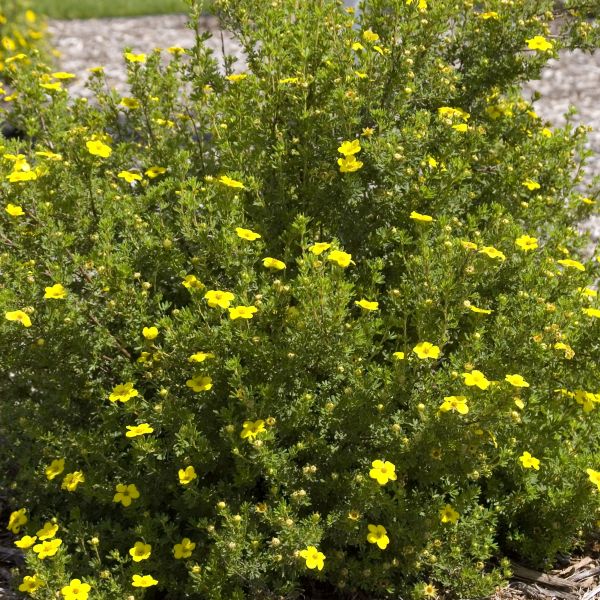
(573, 80)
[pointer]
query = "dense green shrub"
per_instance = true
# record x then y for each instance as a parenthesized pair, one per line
(228, 295)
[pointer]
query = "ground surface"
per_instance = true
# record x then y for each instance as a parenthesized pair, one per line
(572, 80)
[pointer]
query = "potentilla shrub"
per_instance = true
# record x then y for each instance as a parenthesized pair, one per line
(322, 320)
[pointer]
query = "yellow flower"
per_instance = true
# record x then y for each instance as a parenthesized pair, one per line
(18, 315)
(273, 263)
(594, 477)
(187, 475)
(72, 480)
(370, 36)
(150, 333)
(97, 148)
(457, 403)
(31, 583)
(468, 245)
(531, 185)
(398, 355)
(516, 381)
(367, 305)
(184, 549)
(55, 292)
(426, 350)
(236, 77)
(218, 298)
(247, 234)
(529, 462)
(242, 312)
(76, 590)
(448, 514)
(154, 172)
(348, 148)
(481, 311)
(250, 429)
(569, 352)
(47, 548)
(383, 471)
(62, 75)
(129, 177)
(143, 581)
(131, 103)
(573, 264)
(421, 4)
(539, 43)
(526, 242)
(592, 312)
(16, 177)
(448, 113)
(419, 217)
(460, 127)
(476, 378)
(349, 164)
(429, 590)
(14, 211)
(199, 383)
(25, 542)
(140, 551)
(16, 520)
(48, 531)
(341, 259)
(488, 15)
(319, 248)
(192, 282)
(289, 80)
(141, 429)
(49, 155)
(175, 50)
(126, 493)
(123, 392)
(53, 87)
(200, 356)
(225, 180)
(314, 559)
(378, 535)
(492, 252)
(133, 58)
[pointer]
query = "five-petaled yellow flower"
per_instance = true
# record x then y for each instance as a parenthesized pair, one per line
(531, 185)
(18, 315)
(481, 311)
(448, 514)
(47, 548)
(133, 58)
(48, 531)
(476, 378)
(529, 462)
(187, 475)
(516, 380)
(76, 590)
(572, 264)
(341, 259)
(72, 480)
(140, 551)
(526, 243)
(426, 350)
(540, 43)
(594, 477)
(492, 252)
(218, 298)
(150, 333)
(55, 292)
(97, 148)
(273, 263)
(242, 312)
(367, 304)
(378, 535)
(319, 248)
(126, 493)
(457, 403)
(199, 383)
(349, 164)
(383, 471)
(143, 581)
(370, 36)
(154, 172)
(398, 355)
(16, 520)
(55, 468)
(123, 392)
(229, 182)
(247, 234)
(419, 217)
(191, 282)
(592, 312)
(250, 429)
(200, 356)
(26, 542)
(235, 77)
(135, 430)
(184, 549)
(14, 210)
(129, 177)
(349, 148)
(30, 584)
(314, 559)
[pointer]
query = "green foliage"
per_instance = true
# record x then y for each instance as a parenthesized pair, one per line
(87, 9)
(285, 412)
